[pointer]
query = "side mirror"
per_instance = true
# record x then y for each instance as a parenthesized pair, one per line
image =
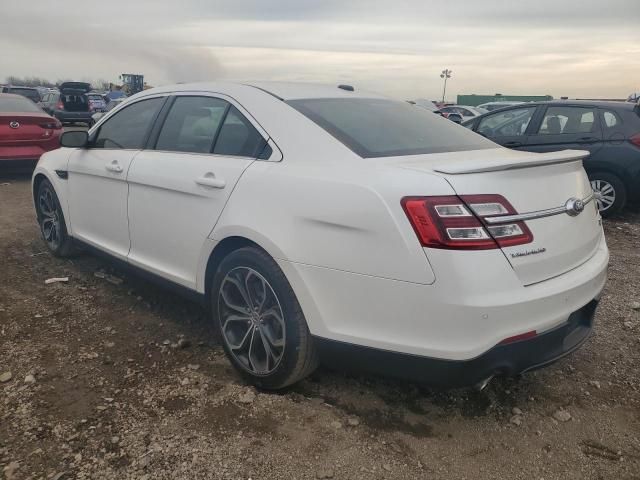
(77, 139)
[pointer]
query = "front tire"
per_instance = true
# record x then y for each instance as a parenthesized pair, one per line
(611, 192)
(51, 221)
(260, 322)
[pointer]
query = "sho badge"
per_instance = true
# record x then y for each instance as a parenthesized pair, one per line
(526, 253)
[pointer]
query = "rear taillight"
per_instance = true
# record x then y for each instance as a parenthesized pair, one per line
(635, 139)
(59, 105)
(458, 222)
(51, 124)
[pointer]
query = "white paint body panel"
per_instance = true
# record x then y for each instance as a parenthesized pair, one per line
(170, 215)
(334, 223)
(97, 198)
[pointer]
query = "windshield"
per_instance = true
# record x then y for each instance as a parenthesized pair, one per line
(374, 127)
(18, 104)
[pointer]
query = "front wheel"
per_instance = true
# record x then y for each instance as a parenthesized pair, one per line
(262, 327)
(611, 194)
(51, 221)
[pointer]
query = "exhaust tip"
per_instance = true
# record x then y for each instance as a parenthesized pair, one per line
(481, 385)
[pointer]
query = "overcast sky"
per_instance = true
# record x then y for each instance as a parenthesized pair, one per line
(577, 48)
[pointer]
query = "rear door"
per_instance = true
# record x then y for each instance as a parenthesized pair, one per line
(97, 180)
(509, 128)
(180, 184)
(561, 127)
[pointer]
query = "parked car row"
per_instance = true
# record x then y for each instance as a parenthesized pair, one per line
(609, 131)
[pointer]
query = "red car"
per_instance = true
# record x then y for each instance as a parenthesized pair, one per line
(26, 131)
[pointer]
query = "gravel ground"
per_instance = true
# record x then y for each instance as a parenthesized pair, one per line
(124, 380)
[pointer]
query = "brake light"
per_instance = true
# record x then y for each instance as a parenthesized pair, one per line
(59, 105)
(53, 124)
(453, 222)
(635, 139)
(518, 338)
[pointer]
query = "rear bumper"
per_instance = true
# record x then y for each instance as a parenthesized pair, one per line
(73, 116)
(502, 360)
(27, 153)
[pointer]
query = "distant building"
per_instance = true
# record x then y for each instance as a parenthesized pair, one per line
(474, 100)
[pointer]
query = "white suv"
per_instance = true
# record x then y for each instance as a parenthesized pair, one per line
(325, 224)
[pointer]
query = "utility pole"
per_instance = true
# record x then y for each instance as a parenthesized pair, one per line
(446, 73)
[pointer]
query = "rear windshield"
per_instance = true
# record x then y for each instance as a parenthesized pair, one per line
(27, 92)
(382, 128)
(18, 104)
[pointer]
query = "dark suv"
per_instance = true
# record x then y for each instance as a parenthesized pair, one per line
(71, 104)
(610, 131)
(31, 93)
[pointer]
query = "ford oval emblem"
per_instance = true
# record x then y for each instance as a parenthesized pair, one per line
(574, 206)
(14, 124)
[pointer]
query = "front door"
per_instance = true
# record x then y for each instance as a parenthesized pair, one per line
(178, 189)
(97, 180)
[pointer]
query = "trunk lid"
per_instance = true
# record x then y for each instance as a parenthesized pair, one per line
(16, 128)
(531, 182)
(75, 88)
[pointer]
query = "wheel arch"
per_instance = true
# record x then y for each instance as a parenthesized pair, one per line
(38, 177)
(237, 240)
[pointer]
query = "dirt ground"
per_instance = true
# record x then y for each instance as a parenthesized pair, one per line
(102, 387)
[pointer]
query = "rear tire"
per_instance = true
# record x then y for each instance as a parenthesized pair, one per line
(611, 191)
(51, 221)
(260, 322)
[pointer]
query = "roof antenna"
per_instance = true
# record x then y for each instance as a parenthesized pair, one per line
(348, 88)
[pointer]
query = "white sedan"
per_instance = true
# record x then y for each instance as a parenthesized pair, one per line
(325, 224)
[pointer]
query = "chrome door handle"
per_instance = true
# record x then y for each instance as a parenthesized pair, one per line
(114, 167)
(210, 180)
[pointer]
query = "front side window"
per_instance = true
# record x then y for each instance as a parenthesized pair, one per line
(373, 127)
(129, 127)
(567, 120)
(238, 137)
(192, 124)
(507, 123)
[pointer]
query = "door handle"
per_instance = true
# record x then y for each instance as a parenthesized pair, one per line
(114, 167)
(589, 139)
(513, 144)
(210, 180)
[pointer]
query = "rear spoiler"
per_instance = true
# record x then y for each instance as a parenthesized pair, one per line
(519, 161)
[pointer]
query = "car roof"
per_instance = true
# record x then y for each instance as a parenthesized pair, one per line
(281, 90)
(462, 106)
(21, 87)
(584, 103)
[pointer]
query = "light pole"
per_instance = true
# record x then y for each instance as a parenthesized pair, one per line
(446, 73)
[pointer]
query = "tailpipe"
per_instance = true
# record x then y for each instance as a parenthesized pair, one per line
(482, 384)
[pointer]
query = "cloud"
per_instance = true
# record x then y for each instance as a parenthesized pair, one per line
(574, 48)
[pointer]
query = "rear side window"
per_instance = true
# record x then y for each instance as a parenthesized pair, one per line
(129, 127)
(611, 119)
(508, 123)
(374, 127)
(192, 124)
(567, 120)
(238, 137)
